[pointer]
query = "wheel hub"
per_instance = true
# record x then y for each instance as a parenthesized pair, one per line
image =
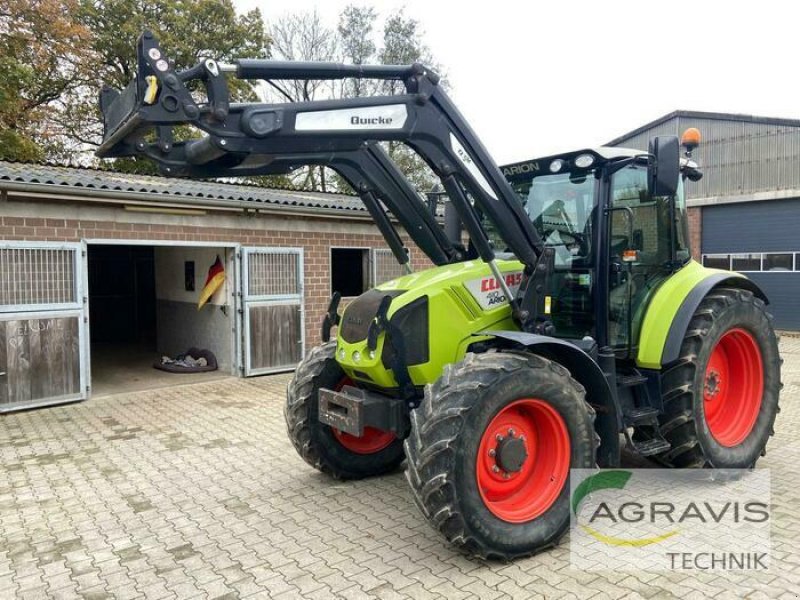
(712, 386)
(511, 454)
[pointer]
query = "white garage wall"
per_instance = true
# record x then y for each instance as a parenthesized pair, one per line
(179, 324)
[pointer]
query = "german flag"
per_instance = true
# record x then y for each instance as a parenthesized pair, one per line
(215, 279)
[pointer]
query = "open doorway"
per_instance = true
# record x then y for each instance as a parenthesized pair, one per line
(143, 306)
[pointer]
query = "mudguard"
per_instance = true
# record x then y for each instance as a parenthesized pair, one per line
(588, 373)
(680, 324)
(671, 309)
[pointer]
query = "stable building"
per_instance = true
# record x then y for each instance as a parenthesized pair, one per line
(101, 273)
(744, 214)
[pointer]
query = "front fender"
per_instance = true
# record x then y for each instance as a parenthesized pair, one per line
(588, 373)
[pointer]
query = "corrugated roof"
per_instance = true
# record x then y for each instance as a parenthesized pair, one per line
(163, 188)
(697, 114)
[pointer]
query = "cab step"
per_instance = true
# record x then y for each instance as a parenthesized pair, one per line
(647, 415)
(651, 447)
(630, 380)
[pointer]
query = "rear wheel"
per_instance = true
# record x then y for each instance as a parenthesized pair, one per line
(331, 451)
(721, 396)
(490, 451)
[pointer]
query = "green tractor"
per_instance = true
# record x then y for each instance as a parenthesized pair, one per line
(565, 323)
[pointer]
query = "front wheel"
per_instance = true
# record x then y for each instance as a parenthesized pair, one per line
(490, 451)
(331, 451)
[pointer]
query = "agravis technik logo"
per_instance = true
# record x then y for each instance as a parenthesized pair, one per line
(658, 519)
(603, 481)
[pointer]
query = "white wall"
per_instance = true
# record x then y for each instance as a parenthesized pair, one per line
(179, 324)
(170, 269)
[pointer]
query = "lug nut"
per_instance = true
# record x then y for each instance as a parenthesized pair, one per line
(492, 452)
(498, 437)
(506, 475)
(495, 469)
(511, 432)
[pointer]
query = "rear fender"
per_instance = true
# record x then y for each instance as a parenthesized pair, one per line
(690, 304)
(588, 373)
(670, 310)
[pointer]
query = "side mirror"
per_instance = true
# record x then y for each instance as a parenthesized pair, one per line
(665, 166)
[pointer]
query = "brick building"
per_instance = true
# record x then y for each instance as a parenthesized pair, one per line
(101, 273)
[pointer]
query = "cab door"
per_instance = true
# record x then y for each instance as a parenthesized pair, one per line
(641, 232)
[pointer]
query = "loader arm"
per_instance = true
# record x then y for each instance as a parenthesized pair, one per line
(424, 118)
(373, 176)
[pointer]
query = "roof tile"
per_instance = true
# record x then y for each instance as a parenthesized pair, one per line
(85, 178)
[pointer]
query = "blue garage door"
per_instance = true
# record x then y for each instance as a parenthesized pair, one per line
(761, 240)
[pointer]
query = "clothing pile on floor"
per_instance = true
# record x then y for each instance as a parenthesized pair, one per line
(184, 360)
(193, 360)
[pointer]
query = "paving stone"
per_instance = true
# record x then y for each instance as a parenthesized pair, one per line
(195, 492)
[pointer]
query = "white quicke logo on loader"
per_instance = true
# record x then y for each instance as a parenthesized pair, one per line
(487, 291)
(392, 116)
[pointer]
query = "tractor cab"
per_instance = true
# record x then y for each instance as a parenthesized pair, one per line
(615, 235)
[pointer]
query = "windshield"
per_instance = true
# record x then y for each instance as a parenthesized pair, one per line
(560, 207)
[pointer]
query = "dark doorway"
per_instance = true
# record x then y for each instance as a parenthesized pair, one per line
(349, 271)
(122, 296)
(122, 316)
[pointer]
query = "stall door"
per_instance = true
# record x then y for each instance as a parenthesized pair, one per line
(43, 337)
(272, 307)
(385, 266)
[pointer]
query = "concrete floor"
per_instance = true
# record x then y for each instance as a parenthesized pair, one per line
(122, 369)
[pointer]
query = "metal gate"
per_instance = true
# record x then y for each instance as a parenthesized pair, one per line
(385, 266)
(43, 333)
(272, 309)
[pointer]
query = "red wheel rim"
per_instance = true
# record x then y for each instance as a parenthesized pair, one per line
(733, 387)
(523, 489)
(373, 440)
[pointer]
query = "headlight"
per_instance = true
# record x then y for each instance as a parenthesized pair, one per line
(584, 161)
(556, 165)
(356, 356)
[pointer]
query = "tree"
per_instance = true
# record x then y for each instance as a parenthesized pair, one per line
(303, 36)
(186, 29)
(43, 54)
(56, 55)
(403, 45)
(356, 26)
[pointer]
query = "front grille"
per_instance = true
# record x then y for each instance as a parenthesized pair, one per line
(360, 313)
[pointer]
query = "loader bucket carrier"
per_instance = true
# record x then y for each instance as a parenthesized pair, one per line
(491, 378)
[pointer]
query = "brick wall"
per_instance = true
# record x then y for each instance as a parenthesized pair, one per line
(315, 236)
(695, 216)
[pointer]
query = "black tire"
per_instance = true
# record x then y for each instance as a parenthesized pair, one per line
(445, 437)
(315, 441)
(684, 423)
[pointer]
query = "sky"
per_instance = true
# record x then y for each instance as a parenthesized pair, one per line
(539, 77)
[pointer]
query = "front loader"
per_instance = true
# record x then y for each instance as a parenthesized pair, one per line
(573, 325)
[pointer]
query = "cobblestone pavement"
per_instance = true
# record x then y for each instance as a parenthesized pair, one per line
(195, 491)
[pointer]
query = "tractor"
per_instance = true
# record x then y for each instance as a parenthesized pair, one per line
(563, 320)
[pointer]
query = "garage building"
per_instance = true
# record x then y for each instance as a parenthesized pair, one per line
(101, 272)
(744, 214)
